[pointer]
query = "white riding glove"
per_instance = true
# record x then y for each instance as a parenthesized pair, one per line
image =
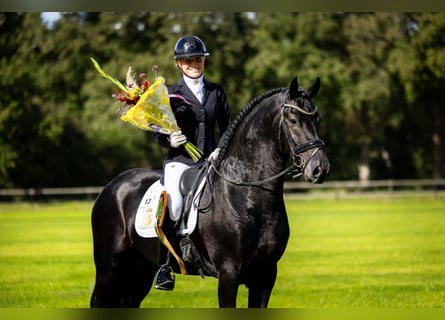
(214, 155)
(177, 139)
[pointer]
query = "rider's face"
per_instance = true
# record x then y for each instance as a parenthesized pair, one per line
(192, 67)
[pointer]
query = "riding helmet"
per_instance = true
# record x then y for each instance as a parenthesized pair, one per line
(189, 46)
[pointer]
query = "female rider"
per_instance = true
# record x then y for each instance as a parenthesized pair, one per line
(204, 105)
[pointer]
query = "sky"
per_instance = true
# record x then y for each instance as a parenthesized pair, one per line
(50, 17)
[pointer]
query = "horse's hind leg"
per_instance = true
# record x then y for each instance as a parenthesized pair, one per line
(122, 281)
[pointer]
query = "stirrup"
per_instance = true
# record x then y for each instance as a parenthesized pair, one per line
(165, 278)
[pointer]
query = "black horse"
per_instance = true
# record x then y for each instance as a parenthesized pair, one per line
(242, 228)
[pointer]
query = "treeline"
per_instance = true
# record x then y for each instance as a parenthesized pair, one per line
(382, 95)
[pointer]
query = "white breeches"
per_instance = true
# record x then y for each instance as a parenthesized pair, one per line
(172, 174)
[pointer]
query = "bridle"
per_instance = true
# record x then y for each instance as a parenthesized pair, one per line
(298, 164)
(297, 150)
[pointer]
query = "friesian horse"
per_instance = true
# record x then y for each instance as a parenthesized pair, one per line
(242, 229)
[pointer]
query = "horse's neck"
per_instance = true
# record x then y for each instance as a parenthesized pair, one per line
(253, 153)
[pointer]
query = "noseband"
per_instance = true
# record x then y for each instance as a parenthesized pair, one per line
(298, 164)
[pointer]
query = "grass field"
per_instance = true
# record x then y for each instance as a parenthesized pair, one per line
(382, 253)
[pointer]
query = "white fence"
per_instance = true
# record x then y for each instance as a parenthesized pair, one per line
(329, 189)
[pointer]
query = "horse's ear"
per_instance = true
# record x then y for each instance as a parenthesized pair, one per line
(293, 88)
(313, 90)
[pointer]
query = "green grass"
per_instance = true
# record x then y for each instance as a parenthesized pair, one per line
(384, 253)
(364, 253)
(45, 255)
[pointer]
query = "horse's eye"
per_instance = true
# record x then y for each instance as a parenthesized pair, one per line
(293, 121)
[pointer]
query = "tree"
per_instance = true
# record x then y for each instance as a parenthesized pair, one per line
(419, 61)
(371, 37)
(380, 98)
(307, 45)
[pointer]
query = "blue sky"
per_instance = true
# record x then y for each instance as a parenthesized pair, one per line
(50, 17)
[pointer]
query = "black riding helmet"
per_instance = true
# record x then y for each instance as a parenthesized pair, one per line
(189, 46)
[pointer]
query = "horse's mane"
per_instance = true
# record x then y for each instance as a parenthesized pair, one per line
(240, 117)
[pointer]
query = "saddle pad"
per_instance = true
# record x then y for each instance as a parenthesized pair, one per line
(146, 214)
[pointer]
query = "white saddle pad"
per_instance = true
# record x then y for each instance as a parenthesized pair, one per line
(146, 213)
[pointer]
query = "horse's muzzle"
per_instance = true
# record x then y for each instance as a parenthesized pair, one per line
(317, 168)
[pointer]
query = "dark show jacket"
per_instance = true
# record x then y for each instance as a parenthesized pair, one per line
(197, 121)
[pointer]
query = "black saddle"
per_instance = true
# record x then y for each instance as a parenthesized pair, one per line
(189, 183)
(190, 180)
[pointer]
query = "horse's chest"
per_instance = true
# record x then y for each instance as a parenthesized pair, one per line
(267, 234)
(274, 233)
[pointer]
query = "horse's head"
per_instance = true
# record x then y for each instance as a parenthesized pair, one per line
(299, 125)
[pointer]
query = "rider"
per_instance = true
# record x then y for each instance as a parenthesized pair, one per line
(205, 106)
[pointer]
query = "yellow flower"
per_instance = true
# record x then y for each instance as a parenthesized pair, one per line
(148, 108)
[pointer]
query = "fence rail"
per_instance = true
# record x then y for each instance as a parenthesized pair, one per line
(31, 192)
(354, 188)
(335, 189)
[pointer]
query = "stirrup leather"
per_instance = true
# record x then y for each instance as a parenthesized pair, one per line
(162, 237)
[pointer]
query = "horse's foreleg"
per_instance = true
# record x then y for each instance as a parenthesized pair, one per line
(227, 289)
(260, 286)
(259, 297)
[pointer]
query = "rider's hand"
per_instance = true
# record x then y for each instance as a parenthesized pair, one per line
(214, 155)
(177, 139)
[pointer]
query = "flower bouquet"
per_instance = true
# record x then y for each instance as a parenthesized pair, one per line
(147, 106)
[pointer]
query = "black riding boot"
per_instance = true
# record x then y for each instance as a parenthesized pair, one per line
(165, 277)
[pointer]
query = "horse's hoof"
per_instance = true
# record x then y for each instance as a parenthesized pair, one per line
(165, 278)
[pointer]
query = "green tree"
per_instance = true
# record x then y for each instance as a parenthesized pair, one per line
(419, 62)
(380, 98)
(370, 39)
(31, 122)
(307, 45)
(9, 44)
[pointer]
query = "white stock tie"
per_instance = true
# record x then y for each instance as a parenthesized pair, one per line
(199, 95)
(198, 91)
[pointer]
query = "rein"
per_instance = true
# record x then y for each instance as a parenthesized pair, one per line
(259, 182)
(298, 162)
